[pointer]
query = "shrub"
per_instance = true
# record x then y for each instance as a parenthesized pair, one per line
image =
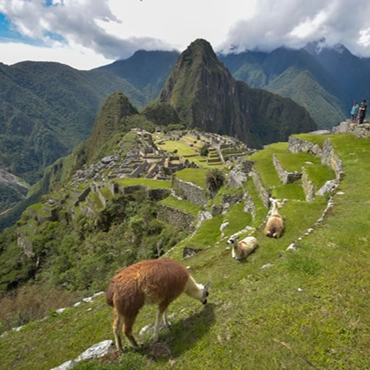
(215, 179)
(204, 151)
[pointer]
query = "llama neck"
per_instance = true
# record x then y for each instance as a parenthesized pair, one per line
(275, 209)
(194, 290)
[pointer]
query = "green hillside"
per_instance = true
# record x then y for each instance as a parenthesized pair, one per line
(302, 87)
(295, 309)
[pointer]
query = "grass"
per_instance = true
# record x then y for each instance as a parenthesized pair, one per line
(182, 205)
(181, 149)
(308, 310)
(145, 182)
(195, 175)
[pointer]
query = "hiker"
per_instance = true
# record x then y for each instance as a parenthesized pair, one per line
(354, 111)
(362, 112)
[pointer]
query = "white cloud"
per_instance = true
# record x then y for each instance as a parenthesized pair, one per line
(75, 56)
(104, 30)
(294, 23)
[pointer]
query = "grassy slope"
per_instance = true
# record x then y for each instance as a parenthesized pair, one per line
(309, 310)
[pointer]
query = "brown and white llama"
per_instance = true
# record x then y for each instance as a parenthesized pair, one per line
(241, 249)
(275, 225)
(157, 281)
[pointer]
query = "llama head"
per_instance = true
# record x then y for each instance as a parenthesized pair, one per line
(275, 205)
(232, 240)
(205, 293)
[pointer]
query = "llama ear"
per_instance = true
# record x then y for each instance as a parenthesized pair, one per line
(206, 287)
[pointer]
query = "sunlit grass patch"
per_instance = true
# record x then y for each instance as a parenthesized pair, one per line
(294, 162)
(182, 205)
(289, 191)
(177, 147)
(145, 182)
(237, 219)
(264, 164)
(319, 174)
(195, 175)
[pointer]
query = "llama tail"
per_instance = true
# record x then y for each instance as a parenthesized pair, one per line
(109, 295)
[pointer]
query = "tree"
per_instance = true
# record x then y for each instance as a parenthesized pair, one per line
(204, 151)
(215, 179)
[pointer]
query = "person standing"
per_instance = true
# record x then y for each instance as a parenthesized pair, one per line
(362, 112)
(354, 111)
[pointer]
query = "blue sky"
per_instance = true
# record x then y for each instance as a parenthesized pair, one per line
(89, 33)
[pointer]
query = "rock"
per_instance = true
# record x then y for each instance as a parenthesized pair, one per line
(97, 350)
(188, 252)
(65, 365)
(327, 187)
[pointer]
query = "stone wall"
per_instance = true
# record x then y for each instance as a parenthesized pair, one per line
(286, 177)
(331, 159)
(262, 192)
(327, 155)
(249, 206)
(308, 187)
(192, 192)
(158, 194)
(296, 145)
(176, 217)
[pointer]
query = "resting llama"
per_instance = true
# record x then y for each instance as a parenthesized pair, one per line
(275, 225)
(157, 281)
(241, 249)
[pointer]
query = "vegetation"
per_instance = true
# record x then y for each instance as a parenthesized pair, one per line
(291, 309)
(215, 179)
(307, 310)
(40, 119)
(48, 108)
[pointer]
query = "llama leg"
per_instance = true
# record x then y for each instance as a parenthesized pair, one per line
(129, 323)
(117, 330)
(157, 323)
(167, 324)
(161, 313)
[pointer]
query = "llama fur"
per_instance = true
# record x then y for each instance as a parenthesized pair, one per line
(241, 249)
(157, 281)
(275, 225)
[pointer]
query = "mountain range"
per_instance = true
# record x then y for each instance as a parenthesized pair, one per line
(46, 109)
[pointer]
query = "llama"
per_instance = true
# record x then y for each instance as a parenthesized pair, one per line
(156, 281)
(241, 249)
(275, 225)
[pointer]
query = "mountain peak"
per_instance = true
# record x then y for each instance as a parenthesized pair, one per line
(199, 51)
(205, 95)
(108, 121)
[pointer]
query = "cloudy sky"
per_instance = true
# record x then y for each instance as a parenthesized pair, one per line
(89, 33)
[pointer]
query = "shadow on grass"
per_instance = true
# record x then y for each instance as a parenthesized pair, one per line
(173, 342)
(182, 335)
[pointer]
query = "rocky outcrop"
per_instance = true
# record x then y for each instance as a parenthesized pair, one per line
(347, 127)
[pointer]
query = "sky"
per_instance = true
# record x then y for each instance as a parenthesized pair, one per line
(86, 34)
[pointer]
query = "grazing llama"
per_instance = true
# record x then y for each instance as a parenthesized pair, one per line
(241, 249)
(275, 225)
(157, 281)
